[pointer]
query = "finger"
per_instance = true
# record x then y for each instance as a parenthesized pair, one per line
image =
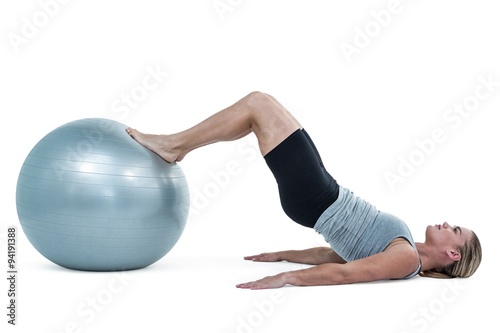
(249, 285)
(244, 285)
(249, 257)
(255, 257)
(265, 283)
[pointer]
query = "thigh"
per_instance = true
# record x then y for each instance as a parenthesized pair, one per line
(306, 189)
(271, 122)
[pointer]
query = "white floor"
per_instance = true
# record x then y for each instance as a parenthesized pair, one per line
(193, 289)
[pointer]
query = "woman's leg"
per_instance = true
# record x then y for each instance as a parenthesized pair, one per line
(256, 112)
(306, 189)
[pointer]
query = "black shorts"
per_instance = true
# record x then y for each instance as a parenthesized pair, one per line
(306, 189)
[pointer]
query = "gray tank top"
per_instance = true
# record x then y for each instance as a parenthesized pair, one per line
(355, 229)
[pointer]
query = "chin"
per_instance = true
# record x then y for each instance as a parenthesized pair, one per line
(429, 230)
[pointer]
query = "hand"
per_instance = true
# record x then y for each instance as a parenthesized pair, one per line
(264, 257)
(269, 282)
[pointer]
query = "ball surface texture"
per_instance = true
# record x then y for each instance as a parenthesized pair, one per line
(89, 197)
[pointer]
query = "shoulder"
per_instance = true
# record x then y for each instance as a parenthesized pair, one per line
(405, 255)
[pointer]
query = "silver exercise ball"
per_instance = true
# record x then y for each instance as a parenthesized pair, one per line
(89, 197)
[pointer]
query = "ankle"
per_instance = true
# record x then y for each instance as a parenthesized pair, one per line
(173, 142)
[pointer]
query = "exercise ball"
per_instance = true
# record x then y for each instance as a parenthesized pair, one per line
(89, 197)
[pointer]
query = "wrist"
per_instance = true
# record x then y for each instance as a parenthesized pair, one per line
(288, 277)
(285, 255)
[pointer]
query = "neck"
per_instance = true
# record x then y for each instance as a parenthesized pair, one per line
(427, 257)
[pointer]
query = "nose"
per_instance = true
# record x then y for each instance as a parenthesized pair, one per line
(446, 225)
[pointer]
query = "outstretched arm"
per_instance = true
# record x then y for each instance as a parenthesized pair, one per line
(314, 256)
(395, 262)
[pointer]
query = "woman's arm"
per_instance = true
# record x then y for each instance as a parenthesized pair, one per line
(314, 256)
(395, 262)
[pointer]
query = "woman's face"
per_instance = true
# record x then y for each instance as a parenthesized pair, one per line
(447, 236)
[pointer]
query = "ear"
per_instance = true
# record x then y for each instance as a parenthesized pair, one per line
(454, 255)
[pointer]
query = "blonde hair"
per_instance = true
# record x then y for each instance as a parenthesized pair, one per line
(471, 255)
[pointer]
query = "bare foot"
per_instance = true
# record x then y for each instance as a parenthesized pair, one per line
(158, 144)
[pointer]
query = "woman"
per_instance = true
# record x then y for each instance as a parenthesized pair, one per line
(366, 244)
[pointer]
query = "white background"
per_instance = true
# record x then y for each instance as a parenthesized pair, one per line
(364, 115)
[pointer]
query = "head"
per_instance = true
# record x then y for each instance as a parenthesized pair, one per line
(457, 248)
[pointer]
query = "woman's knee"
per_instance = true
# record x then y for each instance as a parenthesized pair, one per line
(264, 108)
(258, 100)
(271, 123)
